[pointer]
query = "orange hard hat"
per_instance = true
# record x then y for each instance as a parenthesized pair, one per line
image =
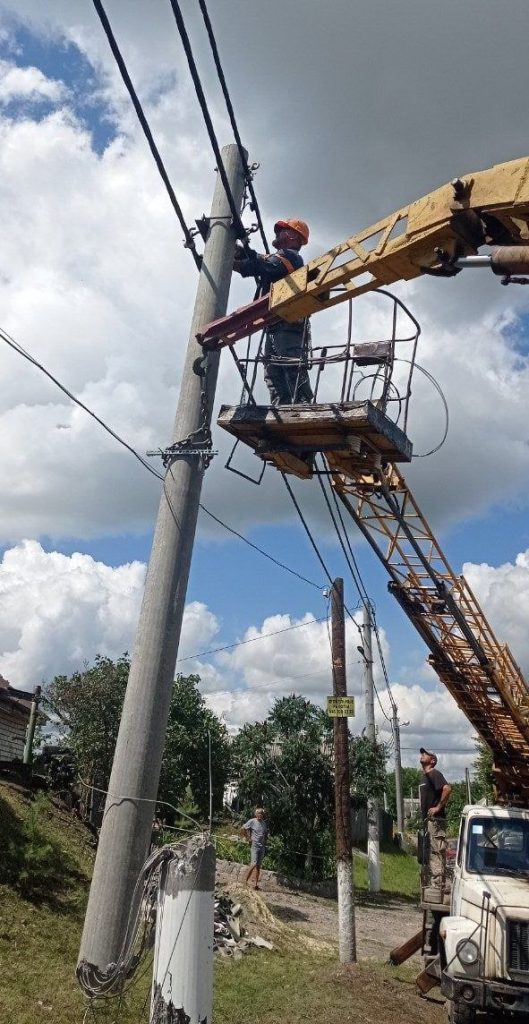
(295, 225)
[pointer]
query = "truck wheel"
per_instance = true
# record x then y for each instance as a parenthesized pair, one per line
(459, 1013)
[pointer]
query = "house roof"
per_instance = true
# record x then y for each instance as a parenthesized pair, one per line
(20, 699)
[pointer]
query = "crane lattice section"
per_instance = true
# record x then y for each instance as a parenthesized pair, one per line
(480, 673)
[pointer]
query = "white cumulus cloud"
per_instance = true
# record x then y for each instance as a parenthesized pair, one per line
(28, 83)
(58, 611)
(503, 592)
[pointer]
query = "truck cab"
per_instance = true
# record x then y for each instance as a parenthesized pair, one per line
(484, 941)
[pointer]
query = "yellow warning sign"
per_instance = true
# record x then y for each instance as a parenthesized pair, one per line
(341, 707)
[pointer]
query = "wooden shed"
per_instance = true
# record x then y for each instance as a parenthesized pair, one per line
(15, 706)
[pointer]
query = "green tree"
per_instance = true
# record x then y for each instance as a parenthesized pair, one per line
(483, 786)
(368, 767)
(285, 764)
(411, 780)
(454, 807)
(191, 728)
(89, 705)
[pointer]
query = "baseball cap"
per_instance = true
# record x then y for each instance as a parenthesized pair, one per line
(422, 750)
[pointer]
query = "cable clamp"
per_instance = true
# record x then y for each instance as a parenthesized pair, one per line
(189, 448)
(249, 171)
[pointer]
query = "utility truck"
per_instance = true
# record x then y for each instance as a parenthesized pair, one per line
(484, 940)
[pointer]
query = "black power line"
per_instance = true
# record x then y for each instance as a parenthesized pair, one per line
(231, 113)
(236, 217)
(251, 640)
(31, 359)
(26, 355)
(189, 240)
(260, 550)
(360, 586)
(314, 545)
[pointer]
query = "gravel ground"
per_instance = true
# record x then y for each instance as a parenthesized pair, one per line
(381, 923)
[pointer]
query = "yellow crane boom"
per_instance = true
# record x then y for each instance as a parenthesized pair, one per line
(488, 207)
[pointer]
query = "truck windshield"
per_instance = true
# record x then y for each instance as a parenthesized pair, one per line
(498, 846)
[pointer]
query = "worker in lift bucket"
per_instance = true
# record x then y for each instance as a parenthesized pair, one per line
(434, 793)
(286, 344)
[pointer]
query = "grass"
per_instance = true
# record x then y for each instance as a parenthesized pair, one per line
(45, 866)
(285, 988)
(399, 870)
(399, 873)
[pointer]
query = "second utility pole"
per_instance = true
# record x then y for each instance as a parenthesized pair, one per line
(342, 788)
(399, 797)
(373, 837)
(126, 831)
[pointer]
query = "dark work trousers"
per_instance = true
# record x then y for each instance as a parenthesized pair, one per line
(287, 383)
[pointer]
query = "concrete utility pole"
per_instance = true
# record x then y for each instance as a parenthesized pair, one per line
(342, 787)
(398, 773)
(373, 837)
(27, 756)
(469, 785)
(183, 952)
(126, 830)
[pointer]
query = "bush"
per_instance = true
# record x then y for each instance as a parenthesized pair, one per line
(31, 860)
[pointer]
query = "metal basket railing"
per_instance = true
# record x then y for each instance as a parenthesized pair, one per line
(365, 369)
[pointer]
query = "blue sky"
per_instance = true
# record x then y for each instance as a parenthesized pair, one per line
(70, 65)
(100, 288)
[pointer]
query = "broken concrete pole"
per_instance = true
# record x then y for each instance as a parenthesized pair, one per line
(183, 954)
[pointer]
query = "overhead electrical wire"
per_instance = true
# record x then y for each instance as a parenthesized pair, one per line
(261, 551)
(352, 568)
(306, 528)
(189, 240)
(73, 398)
(231, 113)
(250, 640)
(31, 359)
(360, 586)
(314, 545)
(238, 225)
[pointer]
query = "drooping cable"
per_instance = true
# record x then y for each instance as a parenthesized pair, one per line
(307, 528)
(353, 568)
(31, 359)
(260, 550)
(73, 398)
(236, 217)
(356, 574)
(361, 588)
(189, 240)
(251, 640)
(231, 114)
(316, 550)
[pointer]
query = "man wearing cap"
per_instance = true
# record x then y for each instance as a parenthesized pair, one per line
(286, 343)
(434, 793)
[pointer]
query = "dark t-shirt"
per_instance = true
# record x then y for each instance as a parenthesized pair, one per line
(430, 790)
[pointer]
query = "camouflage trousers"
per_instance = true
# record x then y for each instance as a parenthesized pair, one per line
(437, 863)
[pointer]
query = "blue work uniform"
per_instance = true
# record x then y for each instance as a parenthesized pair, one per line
(287, 381)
